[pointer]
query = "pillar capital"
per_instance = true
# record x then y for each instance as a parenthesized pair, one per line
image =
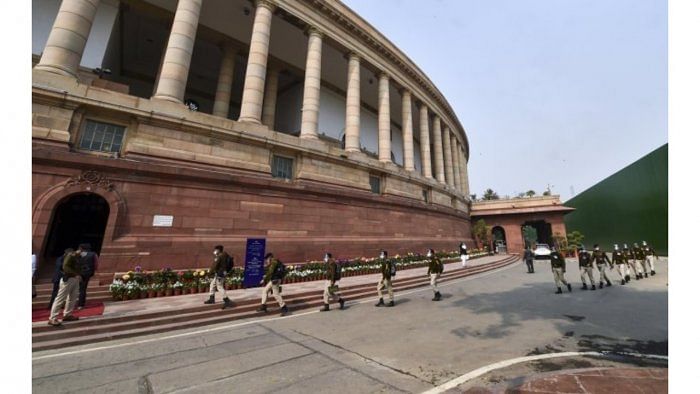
(352, 55)
(269, 4)
(313, 31)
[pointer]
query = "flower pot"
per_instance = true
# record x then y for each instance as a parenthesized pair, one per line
(191, 290)
(177, 292)
(202, 289)
(125, 297)
(144, 294)
(151, 294)
(161, 293)
(168, 292)
(228, 286)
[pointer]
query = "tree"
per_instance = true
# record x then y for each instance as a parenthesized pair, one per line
(529, 235)
(520, 195)
(481, 231)
(472, 197)
(575, 238)
(547, 193)
(489, 194)
(530, 193)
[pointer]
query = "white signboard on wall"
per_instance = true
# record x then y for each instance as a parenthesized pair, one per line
(162, 220)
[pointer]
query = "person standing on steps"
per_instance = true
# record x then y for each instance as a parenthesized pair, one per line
(463, 254)
(558, 269)
(601, 258)
(88, 266)
(274, 274)
(528, 257)
(220, 266)
(649, 254)
(331, 291)
(585, 265)
(435, 268)
(619, 260)
(638, 255)
(388, 269)
(68, 290)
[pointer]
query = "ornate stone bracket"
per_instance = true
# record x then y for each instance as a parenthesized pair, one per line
(91, 178)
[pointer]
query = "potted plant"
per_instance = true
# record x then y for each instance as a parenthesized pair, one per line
(177, 288)
(116, 289)
(167, 289)
(157, 288)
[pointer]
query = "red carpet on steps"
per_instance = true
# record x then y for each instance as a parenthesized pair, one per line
(91, 309)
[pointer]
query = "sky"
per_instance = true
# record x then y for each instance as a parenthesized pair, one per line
(550, 92)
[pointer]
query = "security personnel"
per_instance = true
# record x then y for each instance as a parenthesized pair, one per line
(435, 268)
(463, 254)
(601, 258)
(272, 282)
(558, 269)
(585, 265)
(385, 281)
(619, 260)
(638, 255)
(330, 291)
(218, 272)
(629, 258)
(649, 254)
(528, 256)
(68, 289)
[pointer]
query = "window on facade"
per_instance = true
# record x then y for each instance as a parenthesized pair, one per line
(282, 167)
(425, 195)
(374, 183)
(102, 137)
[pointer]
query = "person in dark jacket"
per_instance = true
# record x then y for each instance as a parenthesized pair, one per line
(217, 271)
(435, 268)
(68, 291)
(463, 254)
(88, 266)
(558, 269)
(57, 275)
(272, 282)
(330, 290)
(385, 281)
(528, 257)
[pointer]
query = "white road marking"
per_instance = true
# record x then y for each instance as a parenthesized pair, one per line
(506, 363)
(236, 325)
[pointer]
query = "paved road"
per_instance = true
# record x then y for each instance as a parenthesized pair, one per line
(409, 348)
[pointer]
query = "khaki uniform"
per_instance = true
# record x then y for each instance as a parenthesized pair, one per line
(558, 268)
(218, 267)
(385, 281)
(601, 258)
(272, 284)
(585, 265)
(69, 288)
(435, 268)
(329, 296)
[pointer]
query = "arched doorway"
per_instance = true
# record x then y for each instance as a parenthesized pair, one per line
(498, 235)
(78, 218)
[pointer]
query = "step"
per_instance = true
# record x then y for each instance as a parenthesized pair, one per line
(221, 317)
(47, 337)
(316, 293)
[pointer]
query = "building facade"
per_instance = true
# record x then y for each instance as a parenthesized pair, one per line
(506, 219)
(161, 128)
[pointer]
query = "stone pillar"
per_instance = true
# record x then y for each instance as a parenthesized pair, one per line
(447, 149)
(455, 161)
(312, 86)
(178, 54)
(438, 154)
(222, 100)
(270, 99)
(463, 169)
(465, 163)
(254, 85)
(384, 119)
(425, 142)
(407, 125)
(352, 105)
(69, 34)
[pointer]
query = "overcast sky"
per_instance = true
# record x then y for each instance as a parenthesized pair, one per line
(559, 92)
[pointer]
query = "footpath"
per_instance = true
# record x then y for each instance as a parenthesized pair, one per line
(124, 319)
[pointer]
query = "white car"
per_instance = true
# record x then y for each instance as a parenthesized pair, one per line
(542, 252)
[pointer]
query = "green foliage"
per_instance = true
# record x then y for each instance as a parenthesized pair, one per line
(574, 238)
(489, 194)
(547, 193)
(530, 193)
(481, 231)
(529, 235)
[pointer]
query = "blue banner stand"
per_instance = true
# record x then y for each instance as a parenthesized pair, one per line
(254, 262)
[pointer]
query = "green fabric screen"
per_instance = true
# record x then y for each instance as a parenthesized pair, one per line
(627, 207)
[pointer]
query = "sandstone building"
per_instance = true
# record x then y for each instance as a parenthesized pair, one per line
(304, 125)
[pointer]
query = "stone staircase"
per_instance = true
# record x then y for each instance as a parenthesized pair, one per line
(104, 328)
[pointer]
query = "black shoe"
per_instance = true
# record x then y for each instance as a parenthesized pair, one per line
(227, 303)
(600, 285)
(210, 300)
(585, 287)
(342, 303)
(558, 290)
(568, 285)
(284, 310)
(391, 303)
(435, 297)
(380, 303)
(627, 278)
(646, 275)
(439, 296)
(653, 272)
(263, 308)
(609, 283)
(592, 287)
(622, 282)
(325, 308)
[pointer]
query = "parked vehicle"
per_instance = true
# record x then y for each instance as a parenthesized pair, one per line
(542, 252)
